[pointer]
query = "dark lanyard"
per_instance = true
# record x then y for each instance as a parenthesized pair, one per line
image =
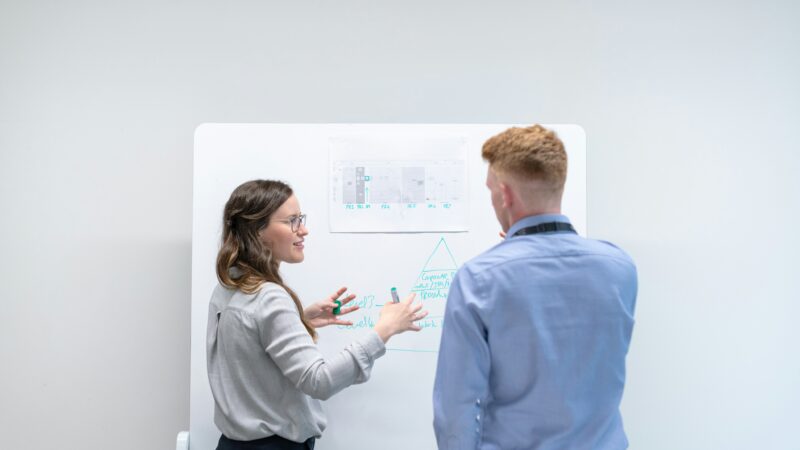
(548, 227)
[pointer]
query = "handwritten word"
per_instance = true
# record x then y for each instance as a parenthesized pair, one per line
(365, 322)
(363, 302)
(432, 295)
(430, 322)
(434, 280)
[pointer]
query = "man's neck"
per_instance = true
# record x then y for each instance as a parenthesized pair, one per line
(516, 216)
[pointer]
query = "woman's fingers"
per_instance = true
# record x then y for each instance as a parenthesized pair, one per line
(334, 302)
(415, 315)
(338, 293)
(396, 318)
(348, 299)
(348, 310)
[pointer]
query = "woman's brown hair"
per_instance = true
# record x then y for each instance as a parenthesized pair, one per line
(243, 261)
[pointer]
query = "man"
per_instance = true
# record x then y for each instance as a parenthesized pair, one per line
(536, 329)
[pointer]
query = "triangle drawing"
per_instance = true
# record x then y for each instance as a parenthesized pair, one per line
(432, 286)
(436, 276)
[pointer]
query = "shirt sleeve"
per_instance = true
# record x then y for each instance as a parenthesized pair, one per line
(462, 374)
(288, 343)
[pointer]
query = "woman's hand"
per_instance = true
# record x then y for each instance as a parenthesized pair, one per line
(396, 318)
(320, 314)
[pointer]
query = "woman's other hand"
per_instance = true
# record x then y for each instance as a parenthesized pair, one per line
(396, 318)
(321, 314)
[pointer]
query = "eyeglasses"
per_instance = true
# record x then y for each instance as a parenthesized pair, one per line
(295, 222)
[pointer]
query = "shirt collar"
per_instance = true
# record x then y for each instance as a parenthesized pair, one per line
(532, 221)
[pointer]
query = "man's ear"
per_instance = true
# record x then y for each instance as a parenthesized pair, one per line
(507, 194)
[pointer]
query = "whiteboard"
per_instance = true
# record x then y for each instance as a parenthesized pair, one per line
(393, 410)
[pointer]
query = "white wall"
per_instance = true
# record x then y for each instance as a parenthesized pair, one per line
(691, 111)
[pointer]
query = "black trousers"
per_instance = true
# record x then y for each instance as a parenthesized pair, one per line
(274, 442)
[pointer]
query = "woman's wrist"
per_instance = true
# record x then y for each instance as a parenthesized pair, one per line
(383, 332)
(310, 311)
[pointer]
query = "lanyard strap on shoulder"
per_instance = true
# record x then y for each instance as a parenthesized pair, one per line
(548, 227)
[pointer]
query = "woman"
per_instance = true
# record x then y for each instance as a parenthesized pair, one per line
(266, 373)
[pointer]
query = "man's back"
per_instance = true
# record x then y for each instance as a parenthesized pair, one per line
(534, 343)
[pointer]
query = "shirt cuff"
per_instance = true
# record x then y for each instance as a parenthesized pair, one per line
(372, 346)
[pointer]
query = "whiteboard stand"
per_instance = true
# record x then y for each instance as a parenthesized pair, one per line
(183, 441)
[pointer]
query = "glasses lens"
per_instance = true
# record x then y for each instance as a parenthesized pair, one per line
(297, 221)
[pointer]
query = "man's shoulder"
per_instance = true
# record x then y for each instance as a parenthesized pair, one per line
(608, 249)
(495, 257)
(520, 250)
(488, 258)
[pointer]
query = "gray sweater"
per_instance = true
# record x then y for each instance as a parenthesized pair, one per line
(267, 375)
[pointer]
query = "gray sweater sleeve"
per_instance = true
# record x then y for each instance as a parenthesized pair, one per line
(287, 342)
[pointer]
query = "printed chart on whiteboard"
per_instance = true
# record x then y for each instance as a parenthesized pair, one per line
(398, 185)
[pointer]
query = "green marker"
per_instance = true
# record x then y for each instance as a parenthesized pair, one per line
(395, 298)
(338, 309)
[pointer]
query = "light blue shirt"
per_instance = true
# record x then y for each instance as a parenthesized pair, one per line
(533, 346)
